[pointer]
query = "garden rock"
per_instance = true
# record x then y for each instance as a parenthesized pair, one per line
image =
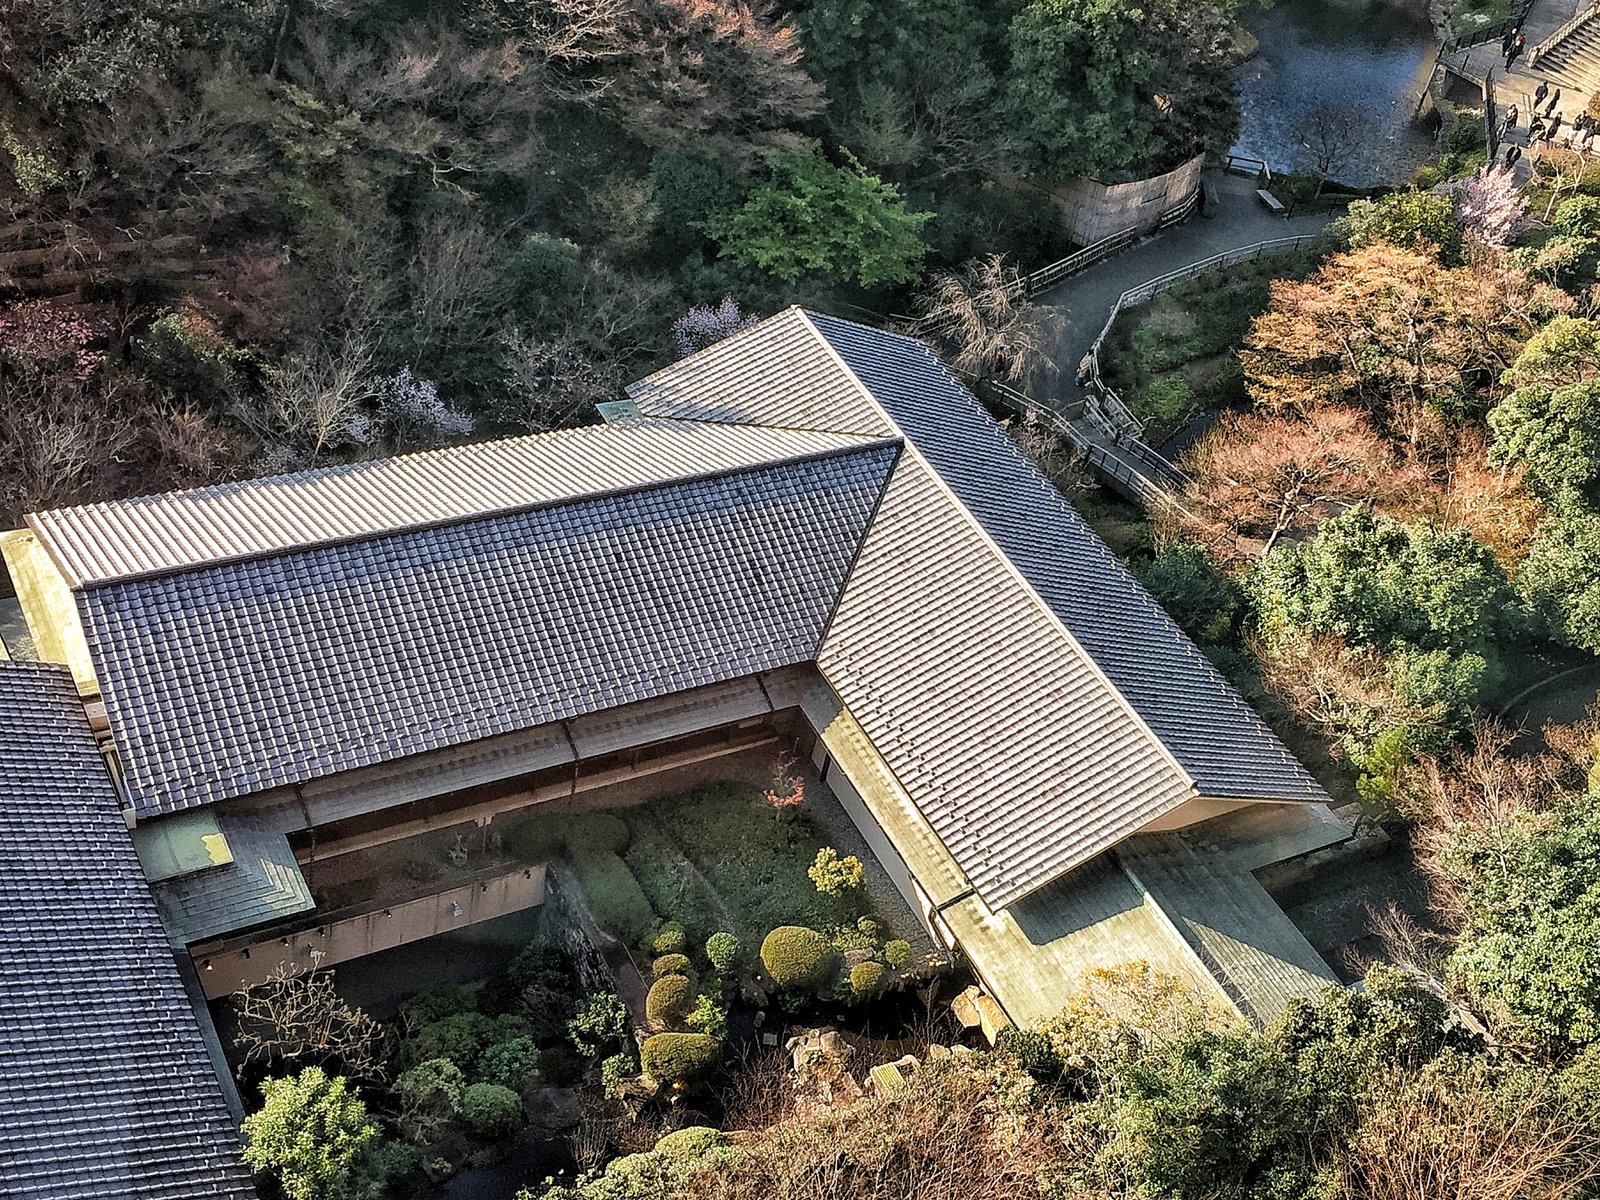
(551, 1110)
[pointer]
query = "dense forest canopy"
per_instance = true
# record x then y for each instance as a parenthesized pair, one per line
(242, 235)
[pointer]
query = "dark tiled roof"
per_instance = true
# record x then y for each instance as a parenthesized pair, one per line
(106, 1089)
(233, 678)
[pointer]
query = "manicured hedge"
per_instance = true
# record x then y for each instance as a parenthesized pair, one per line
(670, 940)
(866, 978)
(619, 907)
(797, 957)
(723, 951)
(670, 1057)
(672, 964)
(897, 953)
(669, 1000)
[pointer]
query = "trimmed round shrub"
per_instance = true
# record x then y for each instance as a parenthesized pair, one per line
(868, 928)
(672, 964)
(489, 1110)
(722, 949)
(669, 1000)
(866, 978)
(670, 940)
(796, 957)
(897, 953)
(671, 1057)
(596, 833)
(686, 1145)
(512, 1063)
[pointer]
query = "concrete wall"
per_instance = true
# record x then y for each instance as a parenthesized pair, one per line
(228, 966)
(1091, 210)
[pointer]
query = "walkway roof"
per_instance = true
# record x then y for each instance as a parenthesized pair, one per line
(106, 1089)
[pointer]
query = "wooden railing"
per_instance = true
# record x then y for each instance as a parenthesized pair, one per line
(1089, 368)
(1081, 260)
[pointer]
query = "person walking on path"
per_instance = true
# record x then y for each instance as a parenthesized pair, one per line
(1539, 93)
(1554, 100)
(1512, 154)
(1555, 127)
(1510, 122)
(1517, 47)
(1535, 130)
(1505, 42)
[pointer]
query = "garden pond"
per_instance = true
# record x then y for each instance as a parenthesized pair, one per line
(1369, 55)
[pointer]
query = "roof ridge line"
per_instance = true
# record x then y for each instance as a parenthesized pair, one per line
(866, 444)
(995, 547)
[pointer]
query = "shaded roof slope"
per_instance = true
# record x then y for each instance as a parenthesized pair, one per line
(237, 677)
(1033, 700)
(106, 1090)
(121, 539)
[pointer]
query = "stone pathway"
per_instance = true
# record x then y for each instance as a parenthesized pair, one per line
(1084, 301)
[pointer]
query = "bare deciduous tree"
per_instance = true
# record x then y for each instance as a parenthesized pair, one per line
(1331, 134)
(978, 317)
(300, 1017)
(313, 403)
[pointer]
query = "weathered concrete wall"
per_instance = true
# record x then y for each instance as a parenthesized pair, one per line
(226, 967)
(1091, 210)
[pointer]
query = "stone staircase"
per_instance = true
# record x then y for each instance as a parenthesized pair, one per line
(1570, 58)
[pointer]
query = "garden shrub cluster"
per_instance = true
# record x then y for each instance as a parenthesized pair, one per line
(797, 958)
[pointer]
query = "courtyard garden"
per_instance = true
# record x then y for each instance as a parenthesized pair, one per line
(683, 937)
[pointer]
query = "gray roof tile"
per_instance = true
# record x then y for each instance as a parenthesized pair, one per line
(106, 1089)
(262, 883)
(233, 678)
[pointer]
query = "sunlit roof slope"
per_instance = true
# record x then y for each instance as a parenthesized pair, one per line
(1029, 695)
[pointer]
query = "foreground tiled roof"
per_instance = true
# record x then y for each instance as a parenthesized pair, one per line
(1033, 700)
(231, 678)
(106, 1090)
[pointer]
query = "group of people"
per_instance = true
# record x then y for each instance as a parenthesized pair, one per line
(1546, 123)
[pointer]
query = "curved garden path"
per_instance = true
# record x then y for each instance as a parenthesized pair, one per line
(1085, 300)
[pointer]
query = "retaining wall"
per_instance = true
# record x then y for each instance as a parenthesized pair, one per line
(1091, 210)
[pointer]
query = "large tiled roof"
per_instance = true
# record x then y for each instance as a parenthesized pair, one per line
(106, 1089)
(234, 677)
(121, 539)
(1032, 699)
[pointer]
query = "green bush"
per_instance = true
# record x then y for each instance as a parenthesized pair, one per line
(866, 979)
(536, 840)
(1033, 1050)
(429, 1093)
(669, 1000)
(616, 1071)
(438, 1002)
(309, 1134)
(1163, 399)
(1194, 593)
(595, 833)
(490, 1111)
(797, 957)
(897, 953)
(460, 1038)
(672, 1057)
(512, 1063)
(672, 964)
(722, 950)
(600, 1022)
(832, 874)
(670, 940)
(708, 1016)
(688, 1144)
